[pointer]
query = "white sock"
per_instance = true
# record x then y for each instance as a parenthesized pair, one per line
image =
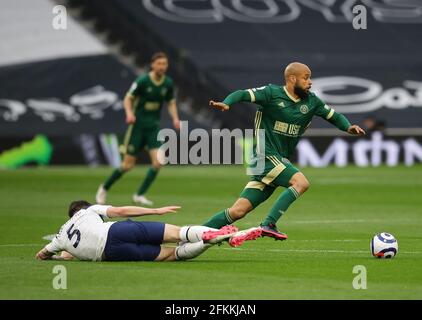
(191, 250)
(193, 233)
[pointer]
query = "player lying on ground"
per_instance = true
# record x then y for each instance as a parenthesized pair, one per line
(86, 236)
(284, 113)
(143, 104)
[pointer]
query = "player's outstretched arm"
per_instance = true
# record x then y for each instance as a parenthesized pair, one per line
(234, 97)
(341, 122)
(356, 130)
(219, 105)
(133, 211)
(49, 250)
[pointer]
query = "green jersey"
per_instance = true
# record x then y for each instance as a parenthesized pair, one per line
(285, 118)
(149, 98)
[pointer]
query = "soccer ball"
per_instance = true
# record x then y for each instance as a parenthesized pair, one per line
(384, 245)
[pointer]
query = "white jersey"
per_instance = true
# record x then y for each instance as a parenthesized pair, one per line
(84, 235)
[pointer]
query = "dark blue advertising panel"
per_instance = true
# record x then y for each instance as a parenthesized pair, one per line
(364, 54)
(64, 97)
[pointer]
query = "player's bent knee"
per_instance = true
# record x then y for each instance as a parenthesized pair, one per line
(156, 165)
(299, 182)
(305, 187)
(127, 165)
(301, 186)
(171, 233)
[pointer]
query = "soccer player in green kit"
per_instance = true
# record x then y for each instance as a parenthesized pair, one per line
(142, 106)
(284, 113)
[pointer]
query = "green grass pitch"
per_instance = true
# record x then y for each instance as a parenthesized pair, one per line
(329, 230)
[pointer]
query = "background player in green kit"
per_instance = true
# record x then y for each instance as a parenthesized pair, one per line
(142, 105)
(284, 113)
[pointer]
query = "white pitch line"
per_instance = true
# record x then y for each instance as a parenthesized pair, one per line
(349, 221)
(332, 221)
(22, 245)
(339, 240)
(343, 221)
(297, 250)
(328, 240)
(242, 249)
(315, 250)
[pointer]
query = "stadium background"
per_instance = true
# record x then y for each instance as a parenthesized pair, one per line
(70, 88)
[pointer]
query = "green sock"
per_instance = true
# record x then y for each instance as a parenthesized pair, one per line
(283, 202)
(219, 220)
(113, 178)
(149, 179)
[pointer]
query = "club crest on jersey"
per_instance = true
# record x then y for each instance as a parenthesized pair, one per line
(281, 104)
(304, 109)
(149, 89)
(163, 91)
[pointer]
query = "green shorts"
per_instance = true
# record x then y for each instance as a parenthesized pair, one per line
(137, 138)
(277, 172)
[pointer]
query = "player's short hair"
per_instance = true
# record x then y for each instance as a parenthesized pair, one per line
(158, 55)
(77, 205)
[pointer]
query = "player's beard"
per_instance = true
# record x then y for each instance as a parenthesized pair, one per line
(300, 92)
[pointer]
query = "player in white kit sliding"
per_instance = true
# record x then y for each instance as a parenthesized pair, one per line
(86, 236)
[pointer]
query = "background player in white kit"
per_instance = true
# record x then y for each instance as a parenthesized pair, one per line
(87, 237)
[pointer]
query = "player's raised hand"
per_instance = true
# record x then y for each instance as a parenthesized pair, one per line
(169, 209)
(130, 118)
(356, 130)
(219, 105)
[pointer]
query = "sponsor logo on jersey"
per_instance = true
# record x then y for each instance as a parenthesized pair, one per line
(149, 89)
(287, 128)
(163, 91)
(281, 104)
(152, 106)
(304, 109)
